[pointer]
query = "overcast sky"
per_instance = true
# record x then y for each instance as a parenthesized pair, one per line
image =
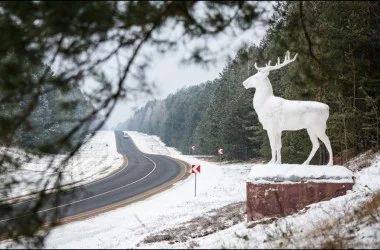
(170, 75)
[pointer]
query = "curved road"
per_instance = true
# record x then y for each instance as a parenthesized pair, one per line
(142, 173)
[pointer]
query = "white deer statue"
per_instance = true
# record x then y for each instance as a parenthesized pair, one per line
(277, 114)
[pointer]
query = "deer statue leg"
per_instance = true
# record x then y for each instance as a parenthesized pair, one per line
(322, 135)
(278, 146)
(315, 142)
(272, 145)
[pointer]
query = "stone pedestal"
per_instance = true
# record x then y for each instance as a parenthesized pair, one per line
(279, 190)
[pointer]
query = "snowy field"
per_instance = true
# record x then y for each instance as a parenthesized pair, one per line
(94, 160)
(351, 220)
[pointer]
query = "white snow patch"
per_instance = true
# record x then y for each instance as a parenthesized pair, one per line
(296, 173)
(151, 144)
(97, 158)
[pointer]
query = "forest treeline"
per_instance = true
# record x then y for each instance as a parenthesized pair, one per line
(338, 46)
(56, 112)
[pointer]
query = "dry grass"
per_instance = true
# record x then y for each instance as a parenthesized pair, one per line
(364, 160)
(211, 222)
(345, 232)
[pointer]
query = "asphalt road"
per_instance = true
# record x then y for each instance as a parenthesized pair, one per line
(142, 173)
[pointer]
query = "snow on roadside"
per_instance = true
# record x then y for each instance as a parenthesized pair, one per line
(126, 227)
(151, 144)
(324, 222)
(97, 158)
(217, 186)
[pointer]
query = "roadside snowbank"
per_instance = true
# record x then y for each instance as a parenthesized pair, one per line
(151, 144)
(97, 158)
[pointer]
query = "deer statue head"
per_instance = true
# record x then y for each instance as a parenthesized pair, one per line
(263, 72)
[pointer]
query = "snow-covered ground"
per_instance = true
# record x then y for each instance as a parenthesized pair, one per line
(97, 158)
(151, 144)
(339, 219)
(288, 173)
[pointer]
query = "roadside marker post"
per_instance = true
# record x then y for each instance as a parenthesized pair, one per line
(194, 170)
(220, 152)
(192, 149)
(195, 187)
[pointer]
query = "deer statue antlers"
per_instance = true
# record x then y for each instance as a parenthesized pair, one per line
(278, 65)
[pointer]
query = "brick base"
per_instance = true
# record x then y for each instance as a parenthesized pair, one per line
(276, 199)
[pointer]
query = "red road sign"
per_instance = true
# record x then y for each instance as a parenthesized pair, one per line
(193, 147)
(195, 169)
(220, 151)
